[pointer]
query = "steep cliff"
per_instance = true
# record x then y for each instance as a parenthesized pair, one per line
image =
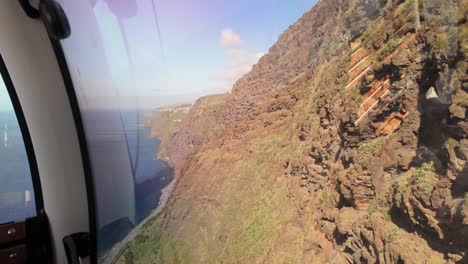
(183, 128)
(346, 143)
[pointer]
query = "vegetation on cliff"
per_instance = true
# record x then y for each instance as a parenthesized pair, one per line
(346, 143)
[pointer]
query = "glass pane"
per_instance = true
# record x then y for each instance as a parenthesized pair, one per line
(16, 189)
(274, 131)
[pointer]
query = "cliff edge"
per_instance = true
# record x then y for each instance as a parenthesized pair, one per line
(346, 143)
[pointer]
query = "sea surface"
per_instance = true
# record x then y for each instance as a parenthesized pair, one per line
(120, 144)
(16, 190)
(117, 141)
(152, 175)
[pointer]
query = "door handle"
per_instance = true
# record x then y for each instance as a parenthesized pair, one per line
(52, 15)
(76, 247)
(29, 9)
(54, 18)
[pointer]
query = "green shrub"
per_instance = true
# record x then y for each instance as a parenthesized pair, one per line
(465, 200)
(376, 204)
(387, 48)
(369, 35)
(460, 65)
(342, 88)
(371, 147)
(151, 245)
(442, 42)
(420, 181)
(317, 251)
(372, 208)
(327, 202)
(392, 236)
(451, 142)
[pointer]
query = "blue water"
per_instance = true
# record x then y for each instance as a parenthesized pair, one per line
(152, 175)
(115, 152)
(112, 141)
(148, 165)
(15, 175)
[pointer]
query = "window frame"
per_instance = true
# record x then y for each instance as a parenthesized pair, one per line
(83, 144)
(29, 148)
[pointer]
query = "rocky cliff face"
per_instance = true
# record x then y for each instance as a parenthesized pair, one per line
(346, 143)
(183, 128)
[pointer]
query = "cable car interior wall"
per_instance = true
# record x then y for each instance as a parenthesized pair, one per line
(192, 131)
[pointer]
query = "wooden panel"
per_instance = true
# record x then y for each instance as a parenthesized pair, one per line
(12, 232)
(384, 124)
(376, 85)
(392, 123)
(13, 255)
(375, 97)
(357, 56)
(352, 84)
(395, 123)
(358, 68)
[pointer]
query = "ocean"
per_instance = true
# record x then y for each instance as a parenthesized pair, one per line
(123, 200)
(16, 190)
(152, 175)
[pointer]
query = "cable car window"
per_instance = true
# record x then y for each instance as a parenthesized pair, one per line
(16, 189)
(274, 131)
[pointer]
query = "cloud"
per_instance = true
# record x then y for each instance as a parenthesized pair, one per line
(229, 39)
(239, 60)
(239, 63)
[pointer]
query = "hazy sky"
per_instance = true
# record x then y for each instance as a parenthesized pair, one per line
(5, 103)
(210, 43)
(201, 46)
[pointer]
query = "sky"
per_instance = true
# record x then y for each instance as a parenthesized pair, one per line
(151, 53)
(225, 38)
(5, 103)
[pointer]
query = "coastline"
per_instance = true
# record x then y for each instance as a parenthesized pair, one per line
(119, 248)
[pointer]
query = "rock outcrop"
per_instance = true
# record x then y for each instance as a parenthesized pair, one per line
(317, 160)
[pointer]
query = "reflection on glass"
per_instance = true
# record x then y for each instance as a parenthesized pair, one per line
(274, 131)
(16, 190)
(112, 65)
